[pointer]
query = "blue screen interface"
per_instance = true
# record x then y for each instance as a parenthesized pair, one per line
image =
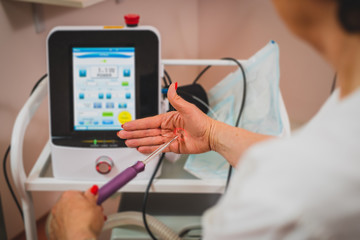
(103, 87)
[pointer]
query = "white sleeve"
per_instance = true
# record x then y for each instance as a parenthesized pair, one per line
(302, 187)
(251, 208)
(277, 193)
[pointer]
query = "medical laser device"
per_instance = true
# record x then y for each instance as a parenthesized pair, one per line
(99, 78)
(128, 174)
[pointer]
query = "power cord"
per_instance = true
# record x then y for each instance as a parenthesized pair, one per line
(187, 230)
(166, 79)
(6, 157)
(240, 110)
(201, 73)
(146, 196)
(37, 83)
(167, 82)
(8, 183)
(242, 101)
(333, 86)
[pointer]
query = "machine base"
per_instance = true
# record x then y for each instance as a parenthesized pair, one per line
(80, 163)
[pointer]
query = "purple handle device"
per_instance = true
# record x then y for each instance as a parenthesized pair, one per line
(119, 181)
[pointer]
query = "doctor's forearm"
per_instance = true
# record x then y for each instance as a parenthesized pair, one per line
(231, 142)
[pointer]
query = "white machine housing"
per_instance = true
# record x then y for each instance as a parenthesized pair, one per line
(84, 162)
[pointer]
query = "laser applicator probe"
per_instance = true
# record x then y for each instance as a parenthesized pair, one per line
(128, 174)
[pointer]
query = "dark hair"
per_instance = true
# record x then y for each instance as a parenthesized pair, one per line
(349, 15)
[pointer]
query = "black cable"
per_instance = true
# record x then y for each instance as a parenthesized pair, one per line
(228, 177)
(201, 73)
(146, 195)
(244, 88)
(244, 84)
(333, 86)
(168, 77)
(242, 101)
(7, 154)
(166, 85)
(185, 231)
(240, 111)
(8, 182)
(37, 83)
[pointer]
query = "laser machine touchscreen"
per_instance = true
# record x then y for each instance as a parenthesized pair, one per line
(99, 78)
(103, 87)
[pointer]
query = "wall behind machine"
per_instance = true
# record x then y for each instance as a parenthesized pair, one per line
(240, 28)
(189, 29)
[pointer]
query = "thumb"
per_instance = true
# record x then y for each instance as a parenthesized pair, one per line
(92, 193)
(178, 102)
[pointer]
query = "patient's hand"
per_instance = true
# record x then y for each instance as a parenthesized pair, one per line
(191, 124)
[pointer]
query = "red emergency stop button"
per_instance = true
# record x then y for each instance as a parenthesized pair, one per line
(132, 20)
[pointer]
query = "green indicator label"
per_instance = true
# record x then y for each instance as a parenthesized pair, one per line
(125, 83)
(107, 114)
(95, 141)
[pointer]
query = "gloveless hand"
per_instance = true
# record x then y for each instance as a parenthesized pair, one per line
(76, 216)
(191, 124)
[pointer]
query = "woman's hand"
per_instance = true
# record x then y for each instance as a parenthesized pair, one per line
(191, 124)
(198, 132)
(77, 216)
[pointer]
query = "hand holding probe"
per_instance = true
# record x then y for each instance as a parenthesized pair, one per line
(127, 175)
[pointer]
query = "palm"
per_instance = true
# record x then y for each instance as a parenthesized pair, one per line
(189, 123)
(192, 132)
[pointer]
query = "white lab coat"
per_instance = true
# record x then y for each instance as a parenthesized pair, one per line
(303, 187)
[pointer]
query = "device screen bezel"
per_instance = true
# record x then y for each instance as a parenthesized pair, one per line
(60, 45)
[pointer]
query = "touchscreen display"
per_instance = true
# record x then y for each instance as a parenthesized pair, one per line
(103, 87)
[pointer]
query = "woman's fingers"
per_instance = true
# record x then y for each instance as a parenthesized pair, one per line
(144, 123)
(139, 133)
(147, 141)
